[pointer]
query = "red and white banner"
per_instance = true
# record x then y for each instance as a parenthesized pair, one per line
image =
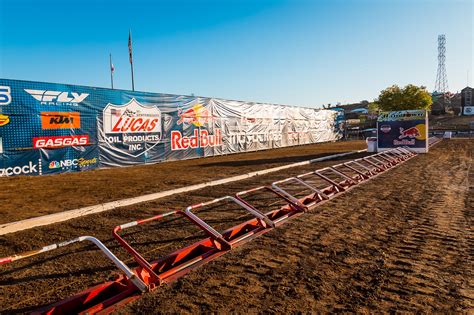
(60, 141)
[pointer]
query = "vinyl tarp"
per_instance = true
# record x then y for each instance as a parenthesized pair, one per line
(48, 128)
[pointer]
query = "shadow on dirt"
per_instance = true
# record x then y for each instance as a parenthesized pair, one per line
(292, 159)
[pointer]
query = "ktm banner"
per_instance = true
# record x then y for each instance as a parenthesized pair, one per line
(60, 120)
(407, 128)
(48, 128)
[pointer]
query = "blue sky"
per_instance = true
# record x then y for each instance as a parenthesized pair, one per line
(290, 52)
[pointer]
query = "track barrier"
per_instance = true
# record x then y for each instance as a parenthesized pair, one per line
(256, 211)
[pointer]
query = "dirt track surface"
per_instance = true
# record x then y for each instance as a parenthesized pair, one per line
(401, 242)
(404, 242)
(29, 196)
(449, 122)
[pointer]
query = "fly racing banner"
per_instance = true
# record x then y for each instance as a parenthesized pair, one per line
(406, 128)
(48, 128)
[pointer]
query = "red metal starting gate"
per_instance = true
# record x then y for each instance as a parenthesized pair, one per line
(268, 206)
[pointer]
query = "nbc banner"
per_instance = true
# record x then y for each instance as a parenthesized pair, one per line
(406, 128)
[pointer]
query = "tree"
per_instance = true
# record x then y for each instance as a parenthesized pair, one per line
(410, 97)
(373, 108)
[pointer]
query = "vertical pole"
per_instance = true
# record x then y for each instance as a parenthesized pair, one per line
(133, 83)
(111, 72)
(131, 56)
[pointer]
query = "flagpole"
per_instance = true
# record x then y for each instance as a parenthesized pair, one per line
(131, 57)
(133, 83)
(111, 72)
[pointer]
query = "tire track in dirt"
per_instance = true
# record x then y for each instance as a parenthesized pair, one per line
(433, 247)
(413, 253)
(405, 248)
(57, 275)
(393, 244)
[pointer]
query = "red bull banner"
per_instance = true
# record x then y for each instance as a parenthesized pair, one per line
(407, 128)
(48, 128)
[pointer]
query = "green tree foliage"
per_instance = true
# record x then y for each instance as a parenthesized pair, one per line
(373, 108)
(410, 97)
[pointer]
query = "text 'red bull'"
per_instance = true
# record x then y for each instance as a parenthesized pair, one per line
(200, 139)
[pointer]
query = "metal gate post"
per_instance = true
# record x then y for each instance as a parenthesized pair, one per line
(121, 265)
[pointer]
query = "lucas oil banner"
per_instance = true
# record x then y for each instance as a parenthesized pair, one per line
(406, 128)
(48, 128)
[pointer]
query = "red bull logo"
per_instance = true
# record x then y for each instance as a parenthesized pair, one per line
(411, 133)
(197, 115)
(199, 139)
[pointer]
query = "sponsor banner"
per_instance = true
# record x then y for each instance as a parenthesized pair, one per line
(74, 128)
(468, 110)
(20, 163)
(69, 159)
(403, 128)
(60, 141)
(200, 139)
(5, 95)
(73, 163)
(4, 120)
(57, 97)
(60, 120)
(198, 115)
(131, 132)
(30, 168)
(403, 115)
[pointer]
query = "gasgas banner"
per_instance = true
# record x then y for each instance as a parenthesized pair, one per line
(50, 128)
(406, 128)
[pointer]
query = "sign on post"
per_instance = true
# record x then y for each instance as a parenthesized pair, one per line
(406, 128)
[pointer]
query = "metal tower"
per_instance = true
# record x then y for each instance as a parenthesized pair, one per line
(441, 85)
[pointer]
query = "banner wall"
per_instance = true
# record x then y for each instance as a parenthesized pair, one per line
(406, 128)
(468, 110)
(48, 128)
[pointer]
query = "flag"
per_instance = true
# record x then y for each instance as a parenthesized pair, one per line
(116, 112)
(130, 45)
(112, 68)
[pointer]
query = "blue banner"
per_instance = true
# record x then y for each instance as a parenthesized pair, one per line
(408, 128)
(48, 128)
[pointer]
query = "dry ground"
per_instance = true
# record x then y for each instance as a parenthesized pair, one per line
(402, 242)
(26, 196)
(449, 122)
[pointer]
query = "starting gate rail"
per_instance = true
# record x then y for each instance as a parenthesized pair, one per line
(304, 203)
(240, 232)
(362, 175)
(276, 216)
(181, 261)
(121, 265)
(104, 298)
(158, 272)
